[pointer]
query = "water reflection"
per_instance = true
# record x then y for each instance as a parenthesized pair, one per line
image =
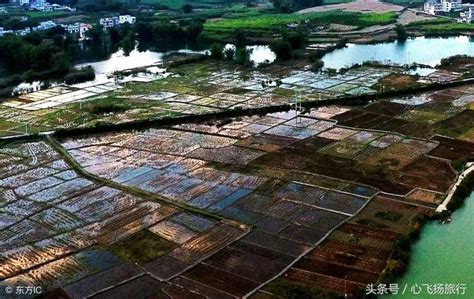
(119, 61)
(428, 51)
(258, 54)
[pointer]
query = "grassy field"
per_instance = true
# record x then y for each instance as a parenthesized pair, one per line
(440, 27)
(261, 22)
(142, 247)
(36, 15)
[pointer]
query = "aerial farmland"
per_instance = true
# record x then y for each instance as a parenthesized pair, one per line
(235, 149)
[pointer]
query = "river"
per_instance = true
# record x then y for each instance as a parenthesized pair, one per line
(422, 50)
(444, 255)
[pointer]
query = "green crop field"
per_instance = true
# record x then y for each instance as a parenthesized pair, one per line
(273, 21)
(179, 3)
(441, 26)
(267, 21)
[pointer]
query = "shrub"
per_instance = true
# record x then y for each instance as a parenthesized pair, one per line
(317, 65)
(242, 56)
(401, 33)
(216, 51)
(282, 49)
(78, 76)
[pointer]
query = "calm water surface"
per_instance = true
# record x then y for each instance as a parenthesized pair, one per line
(444, 254)
(422, 50)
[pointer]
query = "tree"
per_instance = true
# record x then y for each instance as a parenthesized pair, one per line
(95, 34)
(297, 40)
(242, 56)
(292, 5)
(282, 5)
(282, 49)
(317, 65)
(216, 51)
(240, 38)
(401, 33)
(187, 8)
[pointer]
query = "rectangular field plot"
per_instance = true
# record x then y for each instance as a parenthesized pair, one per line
(354, 256)
(173, 232)
(206, 244)
(66, 270)
(275, 243)
(388, 214)
(217, 279)
(243, 263)
(102, 280)
(231, 154)
(61, 191)
(291, 132)
(402, 153)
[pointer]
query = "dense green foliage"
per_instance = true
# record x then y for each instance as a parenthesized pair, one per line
(293, 5)
(401, 33)
(183, 30)
(440, 27)
(284, 46)
(33, 53)
(217, 51)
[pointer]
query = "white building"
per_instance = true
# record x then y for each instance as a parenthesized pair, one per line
(83, 28)
(109, 22)
(45, 26)
(72, 28)
(434, 7)
(451, 5)
(467, 16)
(116, 21)
(127, 19)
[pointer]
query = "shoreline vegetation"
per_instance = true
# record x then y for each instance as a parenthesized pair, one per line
(400, 259)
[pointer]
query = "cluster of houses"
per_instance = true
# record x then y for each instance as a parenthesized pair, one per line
(467, 16)
(117, 21)
(42, 5)
(435, 7)
(76, 28)
(79, 29)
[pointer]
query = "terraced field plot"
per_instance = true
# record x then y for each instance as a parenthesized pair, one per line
(356, 253)
(197, 89)
(277, 172)
(190, 209)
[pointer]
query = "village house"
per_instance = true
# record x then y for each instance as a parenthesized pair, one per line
(116, 21)
(434, 7)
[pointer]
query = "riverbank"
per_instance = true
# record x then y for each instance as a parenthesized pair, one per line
(442, 249)
(413, 248)
(462, 177)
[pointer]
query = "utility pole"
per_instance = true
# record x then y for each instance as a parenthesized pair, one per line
(298, 106)
(345, 286)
